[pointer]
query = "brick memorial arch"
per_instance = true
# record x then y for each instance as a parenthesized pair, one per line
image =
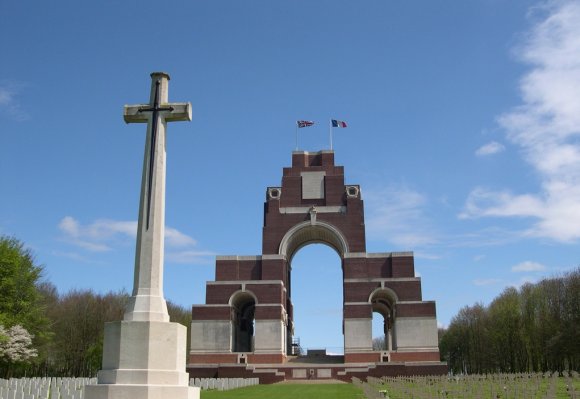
(245, 327)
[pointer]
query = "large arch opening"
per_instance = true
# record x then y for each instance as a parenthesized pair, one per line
(317, 297)
(312, 232)
(243, 306)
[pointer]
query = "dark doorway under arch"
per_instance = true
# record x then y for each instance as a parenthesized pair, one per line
(243, 311)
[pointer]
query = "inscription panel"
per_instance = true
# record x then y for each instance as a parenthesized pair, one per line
(313, 185)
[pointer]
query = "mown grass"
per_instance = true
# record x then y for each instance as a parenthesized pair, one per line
(289, 391)
(476, 387)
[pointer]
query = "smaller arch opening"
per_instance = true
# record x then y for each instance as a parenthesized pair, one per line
(383, 304)
(243, 308)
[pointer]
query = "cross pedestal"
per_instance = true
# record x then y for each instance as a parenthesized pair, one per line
(144, 355)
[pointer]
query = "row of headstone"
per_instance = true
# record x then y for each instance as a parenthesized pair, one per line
(520, 385)
(369, 390)
(44, 388)
(223, 384)
(73, 388)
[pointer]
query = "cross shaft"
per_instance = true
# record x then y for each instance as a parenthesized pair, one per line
(147, 302)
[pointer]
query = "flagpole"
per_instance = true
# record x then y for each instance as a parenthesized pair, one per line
(330, 128)
(296, 131)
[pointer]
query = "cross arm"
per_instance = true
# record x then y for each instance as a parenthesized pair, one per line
(181, 112)
(170, 112)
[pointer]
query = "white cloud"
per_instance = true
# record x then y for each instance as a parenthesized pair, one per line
(489, 149)
(103, 234)
(73, 234)
(484, 202)
(396, 214)
(478, 258)
(5, 96)
(97, 236)
(487, 281)
(546, 126)
(70, 226)
(175, 238)
(528, 266)
(9, 102)
(190, 257)
(75, 256)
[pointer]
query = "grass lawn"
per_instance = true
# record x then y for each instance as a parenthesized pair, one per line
(289, 391)
(481, 387)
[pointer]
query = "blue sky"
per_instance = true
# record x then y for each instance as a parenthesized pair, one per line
(464, 118)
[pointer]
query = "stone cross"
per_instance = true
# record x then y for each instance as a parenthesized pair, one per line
(147, 302)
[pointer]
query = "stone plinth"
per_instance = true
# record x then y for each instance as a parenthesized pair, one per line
(144, 360)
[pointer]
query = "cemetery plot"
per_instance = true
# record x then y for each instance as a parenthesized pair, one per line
(222, 384)
(492, 386)
(73, 388)
(44, 388)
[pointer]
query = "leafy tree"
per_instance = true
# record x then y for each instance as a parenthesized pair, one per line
(78, 319)
(464, 342)
(571, 319)
(19, 277)
(535, 328)
(505, 316)
(16, 344)
(21, 303)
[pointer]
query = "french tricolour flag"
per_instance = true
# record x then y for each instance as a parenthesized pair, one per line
(336, 123)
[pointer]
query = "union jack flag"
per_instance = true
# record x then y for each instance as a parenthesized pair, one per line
(301, 124)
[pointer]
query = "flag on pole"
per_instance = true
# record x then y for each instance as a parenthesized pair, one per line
(301, 124)
(336, 123)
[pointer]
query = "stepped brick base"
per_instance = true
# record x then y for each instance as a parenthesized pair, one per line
(272, 373)
(228, 358)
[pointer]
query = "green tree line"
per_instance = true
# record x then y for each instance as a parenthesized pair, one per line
(533, 328)
(66, 329)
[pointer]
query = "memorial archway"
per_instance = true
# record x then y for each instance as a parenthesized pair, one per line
(312, 205)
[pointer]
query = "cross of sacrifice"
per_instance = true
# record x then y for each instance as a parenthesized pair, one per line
(147, 302)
